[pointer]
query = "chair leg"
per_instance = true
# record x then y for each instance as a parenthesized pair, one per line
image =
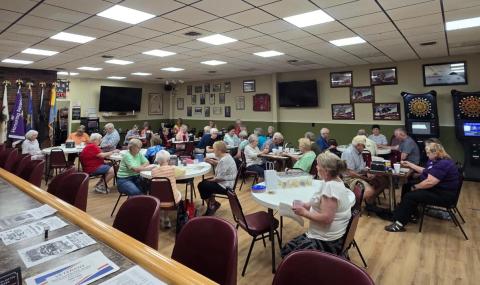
(263, 239)
(459, 214)
(104, 177)
(422, 215)
(281, 229)
(454, 218)
(279, 239)
(248, 256)
(360, 253)
(116, 204)
(241, 184)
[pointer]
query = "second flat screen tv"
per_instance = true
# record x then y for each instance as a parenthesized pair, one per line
(120, 99)
(298, 93)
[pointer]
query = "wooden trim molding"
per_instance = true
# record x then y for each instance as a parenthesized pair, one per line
(164, 268)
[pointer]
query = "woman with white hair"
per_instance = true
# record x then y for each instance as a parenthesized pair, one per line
(30, 144)
(243, 136)
(182, 134)
(252, 156)
(275, 142)
(162, 158)
(128, 175)
(92, 160)
(305, 160)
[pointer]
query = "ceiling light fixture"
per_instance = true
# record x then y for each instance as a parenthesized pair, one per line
(217, 39)
(125, 14)
(17, 61)
(268, 53)
(309, 19)
(69, 37)
(158, 52)
(39, 51)
(213, 62)
(89, 68)
(116, 77)
(74, 73)
(119, 61)
(141, 73)
(67, 73)
(348, 41)
(172, 69)
(462, 24)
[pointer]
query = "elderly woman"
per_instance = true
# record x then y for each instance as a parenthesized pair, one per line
(178, 125)
(30, 144)
(162, 158)
(131, 134)
(275, 142)
(92, 160)
(270, 132)
(329, 210)
(243, 136)
(182, 134)
(230, 138)
(128, 175)
(439, 182)
(156, 146)
(305, 160)
(225, 175)
(252, 156)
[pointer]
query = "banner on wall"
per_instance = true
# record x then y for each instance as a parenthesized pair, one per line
(63, 87)
(42, 116)
(17, 128)
(30, 123)
(5, 116)
(53, 112)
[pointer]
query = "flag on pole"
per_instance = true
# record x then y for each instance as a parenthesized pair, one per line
(30, 124)
(53, 112)
(42, 116)
(17, 129)
(5, 117)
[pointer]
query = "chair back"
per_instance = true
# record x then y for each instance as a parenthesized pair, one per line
(209, 245)
(37, 172)
(242, 154)
(237, 210)
(57, 158)
(12, 158)
(349, 235)
(311, 266)
(57, 180)
(4, 153)
(26, 159)
(161, 188)
(73, 189)
(313, 169)
(395, 156)
(460, 183)
(367, 157)
(358, 190)
(139, 217)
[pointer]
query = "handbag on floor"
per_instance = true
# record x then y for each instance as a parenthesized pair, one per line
(185, 211)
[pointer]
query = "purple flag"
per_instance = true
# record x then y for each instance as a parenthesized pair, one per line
(17, 128)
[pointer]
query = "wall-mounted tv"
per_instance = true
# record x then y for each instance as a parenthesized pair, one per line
(298, 93)
(120, 99)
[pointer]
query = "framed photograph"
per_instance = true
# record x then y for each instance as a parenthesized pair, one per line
(189, 89)
(189, 111)
(155, 103)
(194, 99)
(362, 94)
(248, 86)
(198, 111)
(341, 79)
(217, 110)
(228, 111)
(202, 99)
(383, 76)
(212, 99)
(228, 87)
(221, 98)
(442, 74)
(207, 111)
(180, 103)
(240, 103)
(206, 87)
(386, 111)
(217, 87)
(261, 102)
(343, 112)
(198, 89)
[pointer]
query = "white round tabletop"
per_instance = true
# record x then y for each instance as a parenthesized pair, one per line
(191, 171)
(119, 155)
(272, 199)
(76, 149)
(380, 151)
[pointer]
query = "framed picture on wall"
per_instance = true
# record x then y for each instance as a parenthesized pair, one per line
(194, 99)
(206, 87)
(228, 111)
(341, 79)
(362, 94)
(189, 111)
(217, 110)
(217, 87)
(221, 98)
(155, 103)
(198, 111)
(189, 89)
(386, 111)
(198, 89)
(343, 112)
(180, 103)
(202, 99)
(442, 74)
(228, 87)
(207, 111)
(261, 103)
(240, 103)
(383, 76)
(248, 86)
(212, 99)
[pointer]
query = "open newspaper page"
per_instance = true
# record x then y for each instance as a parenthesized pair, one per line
(37, 228)
(26, 217)
(134, 276)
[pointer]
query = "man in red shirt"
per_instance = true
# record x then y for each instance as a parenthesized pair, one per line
(92, 160)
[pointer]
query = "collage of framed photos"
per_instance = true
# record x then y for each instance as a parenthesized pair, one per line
(205, 99)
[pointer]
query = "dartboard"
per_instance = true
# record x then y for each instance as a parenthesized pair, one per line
(470, 106)
(420, 107)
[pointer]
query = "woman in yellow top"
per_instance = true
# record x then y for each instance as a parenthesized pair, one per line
(79, 136)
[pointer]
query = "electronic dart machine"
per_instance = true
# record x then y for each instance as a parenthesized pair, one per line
(466, 111)
(421, 117)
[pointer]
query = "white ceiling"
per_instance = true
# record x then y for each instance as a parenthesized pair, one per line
(393, 30)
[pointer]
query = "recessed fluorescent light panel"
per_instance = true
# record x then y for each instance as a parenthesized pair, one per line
(125, 14)
(116, 77)
(463, 24)
(141, 73)
(17, 61)
(69, 37)
(217, 39)
(213, 62)
(309, 19)
(158, 52)
(173, 69)
(268, 53)
(119, 61)
(67, 73)
(40, 51)
(348, 41)
(89, 68)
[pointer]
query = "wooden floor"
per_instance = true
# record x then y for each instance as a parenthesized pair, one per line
(438, 255)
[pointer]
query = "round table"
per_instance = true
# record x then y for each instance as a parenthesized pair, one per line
(119, 155)
(76, 149)
(191, 171)
(380, 151)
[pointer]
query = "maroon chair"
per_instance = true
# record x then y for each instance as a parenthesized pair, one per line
(57, 180)
(24, 161)
(161, 188)
(11, 159)
(101, 176)
(367, 157)
(37, 172)
(139, 217)
(395, 156)
(349, 237)
(316, 267)
(73, 189)
(56, 162)
(246, 173)
(257, 225)
(313, 169)
(4, 154)
(209, 245)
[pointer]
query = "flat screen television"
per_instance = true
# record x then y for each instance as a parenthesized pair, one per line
(298, 93)
(471, 129)
(421, 128)
(120, 99)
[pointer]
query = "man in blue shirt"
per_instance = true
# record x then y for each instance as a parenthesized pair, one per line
(111, 138)
(202, 144)
(261, 138)
(323, 139)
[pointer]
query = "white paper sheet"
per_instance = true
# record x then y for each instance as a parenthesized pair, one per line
(82, 271)
(286, 210)
(26, 217)
(134, 276)
(37, 228)
(51, 249)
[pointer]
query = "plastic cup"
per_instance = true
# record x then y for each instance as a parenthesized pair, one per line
(396, 167)
(280, 149)
(62, 145)
(297, 203)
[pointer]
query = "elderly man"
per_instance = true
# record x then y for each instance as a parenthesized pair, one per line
(79, 136)
(275, 142)
(111, 138)
(213, 138)
(323, 139)
(371, 146)
(202, 144)
(314, 146)
(408, 147)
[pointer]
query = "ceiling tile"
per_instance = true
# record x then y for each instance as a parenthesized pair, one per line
(460, 14)
(287, 8)
(251, 17)
(330, 3)
(153, 7)
(105, 24)
(86, 6)
(219, 26)
(291, 34)
(261, 2)
(189, 16)
(20, 6)
(457, 4)
(353, 9)
(163, 25)
(242, 34)
(58, 14)
(391, 4)
(140, 32)
(413, 11)
(43, 23)
(325, 28)
(222, 8)
(87, 31)
(366, 20)
(274, 27)
(375, 29)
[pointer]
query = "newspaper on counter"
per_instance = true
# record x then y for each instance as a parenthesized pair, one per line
(26, 217)
(37, 228)
(51, 249)
(134, 276)
(82, 271)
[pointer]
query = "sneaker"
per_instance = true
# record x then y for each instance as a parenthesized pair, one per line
(211, 210)
(395, 227)
(100, 189)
